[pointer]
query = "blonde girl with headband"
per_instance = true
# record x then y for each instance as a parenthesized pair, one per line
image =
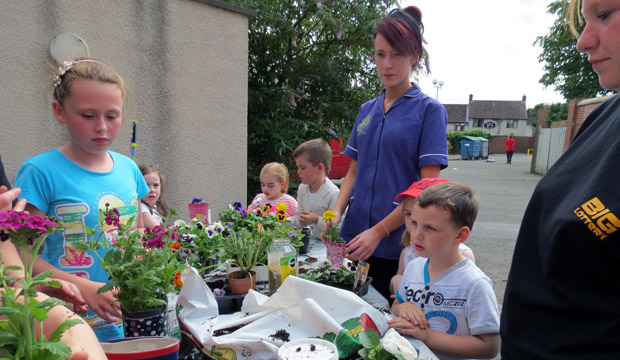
(153, 206)
(80, 178)
(274, 180)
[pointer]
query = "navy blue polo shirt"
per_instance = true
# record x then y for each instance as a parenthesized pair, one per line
(390, 148)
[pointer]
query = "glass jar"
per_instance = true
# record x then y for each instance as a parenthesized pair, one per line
(281, 261)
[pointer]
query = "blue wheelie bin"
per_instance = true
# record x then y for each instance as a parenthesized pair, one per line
(467, 149)
(484, 147)
(472, 147)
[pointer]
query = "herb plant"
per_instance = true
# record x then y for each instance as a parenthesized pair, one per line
(19, 307)
(141, 267)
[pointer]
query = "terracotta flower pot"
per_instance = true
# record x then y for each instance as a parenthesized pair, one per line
(196, 209)
(239, 284)
(335, 253)
(146, 323)
(143, 348)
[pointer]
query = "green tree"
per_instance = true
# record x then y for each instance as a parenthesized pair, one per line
(310, 69)
(557, 112)
(566, 69)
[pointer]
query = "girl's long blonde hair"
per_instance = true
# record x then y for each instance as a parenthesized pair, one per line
(574, 16)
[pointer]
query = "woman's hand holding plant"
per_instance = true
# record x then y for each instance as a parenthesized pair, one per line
(364, 244)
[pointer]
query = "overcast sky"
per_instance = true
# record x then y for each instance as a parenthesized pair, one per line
(484, 48)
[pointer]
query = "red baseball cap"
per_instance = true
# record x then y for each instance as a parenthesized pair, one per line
(417, 187)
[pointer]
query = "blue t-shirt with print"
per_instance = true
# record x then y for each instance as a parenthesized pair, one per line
(61, 188)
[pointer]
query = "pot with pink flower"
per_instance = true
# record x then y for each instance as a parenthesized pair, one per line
(22, 337)
(143, 268)
(336, 246)
(199, 209)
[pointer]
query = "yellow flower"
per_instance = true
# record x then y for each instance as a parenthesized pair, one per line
(266, 208)
(329, 215)
(281, 206)
(281, 216)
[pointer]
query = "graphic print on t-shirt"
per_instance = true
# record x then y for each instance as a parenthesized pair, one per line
(73, 217)
(599, 219)
(445, 297)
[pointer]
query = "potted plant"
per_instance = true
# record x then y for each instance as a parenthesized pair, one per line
(19, 307)
(336, 246)
(342, 278)
(142, 268)
(202, 244)
(199, 210)
(244, 249)
(392, 346)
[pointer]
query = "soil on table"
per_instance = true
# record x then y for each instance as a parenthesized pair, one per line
(309, 260)
(227, 331)
(281, 335)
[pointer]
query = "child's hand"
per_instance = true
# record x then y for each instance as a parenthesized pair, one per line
(7, 197)
(68, 292)
(104, 304)
(405, 327)
(413, 314)
(307, 218)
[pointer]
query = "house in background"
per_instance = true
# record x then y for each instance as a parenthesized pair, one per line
(457, 117)
(497, 117)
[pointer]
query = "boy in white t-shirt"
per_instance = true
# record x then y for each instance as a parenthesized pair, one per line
(408, 252)
(444, 300)
(317, 193)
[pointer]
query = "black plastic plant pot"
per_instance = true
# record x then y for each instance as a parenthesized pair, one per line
(227, 304)
(306, 240)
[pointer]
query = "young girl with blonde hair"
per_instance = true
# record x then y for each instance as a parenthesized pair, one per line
(77, 180)
(274, 180)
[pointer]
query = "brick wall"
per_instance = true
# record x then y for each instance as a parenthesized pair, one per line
(578, 111)
(497, 144)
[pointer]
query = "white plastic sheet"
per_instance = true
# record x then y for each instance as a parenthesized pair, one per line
(299, 309)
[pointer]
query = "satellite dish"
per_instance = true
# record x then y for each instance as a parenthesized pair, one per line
(68, 46)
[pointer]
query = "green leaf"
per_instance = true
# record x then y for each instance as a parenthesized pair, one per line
(89, 231)
(4, 311)
(44, 275)
(105, 288)
(38, 314)
(55, 336)
(58, 350)
(369, 338)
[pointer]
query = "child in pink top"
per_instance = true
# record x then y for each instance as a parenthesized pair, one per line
(274, 184)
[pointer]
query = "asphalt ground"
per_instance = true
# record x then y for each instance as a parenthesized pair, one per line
(504, 191)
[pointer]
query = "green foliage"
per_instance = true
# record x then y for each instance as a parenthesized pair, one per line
(557, 112)
(566, 69)
(324, 274)
(201, 243)
(141, 267)
(19, 307)
(245, 250)
(310, 69)
(372, 349)
(455, 138)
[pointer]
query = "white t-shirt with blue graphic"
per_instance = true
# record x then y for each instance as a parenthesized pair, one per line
(460, 301)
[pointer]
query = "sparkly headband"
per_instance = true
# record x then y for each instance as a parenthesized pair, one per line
(68, 65)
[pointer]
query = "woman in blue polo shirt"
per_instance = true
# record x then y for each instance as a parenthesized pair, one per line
(398, 138)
